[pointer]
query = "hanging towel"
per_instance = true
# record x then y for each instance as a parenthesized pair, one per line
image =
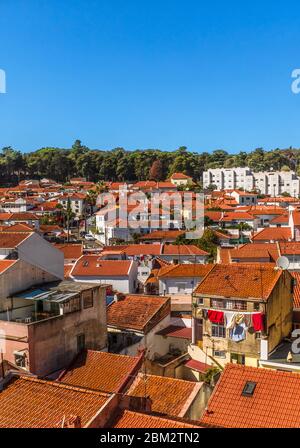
(257, 320)
(238, 333)
(216, 317)
(229, 319)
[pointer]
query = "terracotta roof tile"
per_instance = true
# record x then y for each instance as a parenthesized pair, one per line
(185, 270)
(296, 294)
(73, 251)
(32, 403)
(99, 370)
(130, 419)
(169, 396)
(239, 281)
(274, 403)
(176, 332)
(138, 311)
(273, 234)
(92, 265)
(10, 240)
(5, 264)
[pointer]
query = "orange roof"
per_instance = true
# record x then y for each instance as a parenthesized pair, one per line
(67, 270)
(185, 270)
(169, 396)
(130, 419)
(296, 293)
(296, 217)
(138, 312)
(163, 234)
(20, 227)
(100, 370)
(23, 216)
(10, 240)
(28, 402)
(241, 281)
(214, 216)
(254, 251)
(73, 251)
(263, 210)
(236, 216)
(182, 249)
(93, 266)
(289, 247)
(281, 219)
(5, 264)
(274, 403)
(179, 176)
(273, 234)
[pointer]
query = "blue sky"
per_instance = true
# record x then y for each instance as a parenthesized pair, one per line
(149, 74)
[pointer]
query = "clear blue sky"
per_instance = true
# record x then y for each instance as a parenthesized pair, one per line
(149, 73)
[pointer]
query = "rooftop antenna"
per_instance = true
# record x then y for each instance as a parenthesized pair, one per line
(282, 263)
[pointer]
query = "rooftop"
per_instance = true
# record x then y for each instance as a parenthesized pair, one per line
(169, 396)
(138, 311)
(273, 404)
(99, 370)
(93, 266)
(28, 402)
(242, 281)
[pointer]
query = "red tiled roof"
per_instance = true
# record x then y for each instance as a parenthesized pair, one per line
(93, 266)
(274, 403)
(5, 264)
(10, 240)
(176, 332)
(255, 252)
(20, 227)
(239, 281)
(179, 176)
(73, 251)
(138, 312)
(169, 396)
(281, 219)
(28, 402)
(296, 293)
(182, 249)
(201, 367)
(163, 234)
(23, 216)
(236, 216)
(185, 270)
(289, 248)
(273, 234)
(99, 370)
(130, 419)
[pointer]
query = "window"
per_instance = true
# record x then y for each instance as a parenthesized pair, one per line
(87, 299)
(218, 331)
(80, 342)
(217, 303)
(219, 353)
(249, 388)
(20, 360)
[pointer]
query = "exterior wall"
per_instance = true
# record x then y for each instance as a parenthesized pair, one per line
(16, 339)
(18, 278)
(170, 285)
(273, 182)
(38, 252)
(51, 344)
(278, 311)
(201, 259)
(150, 342)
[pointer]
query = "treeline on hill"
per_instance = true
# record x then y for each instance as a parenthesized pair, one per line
(120, 165)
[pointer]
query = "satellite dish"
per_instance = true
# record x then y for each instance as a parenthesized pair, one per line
(283, 263)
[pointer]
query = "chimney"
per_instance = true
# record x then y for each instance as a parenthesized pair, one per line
(118, 296)
(74, 421)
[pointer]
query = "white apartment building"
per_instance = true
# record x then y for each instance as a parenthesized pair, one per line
(273, 183)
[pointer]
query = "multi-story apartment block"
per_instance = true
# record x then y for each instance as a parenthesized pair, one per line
(242, 312)
(267, 182)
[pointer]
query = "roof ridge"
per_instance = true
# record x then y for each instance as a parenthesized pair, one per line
(62, 385)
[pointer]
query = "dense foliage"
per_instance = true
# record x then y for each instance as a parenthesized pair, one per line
(121, 165)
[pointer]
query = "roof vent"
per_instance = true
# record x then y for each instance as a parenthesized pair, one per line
(249, 388)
